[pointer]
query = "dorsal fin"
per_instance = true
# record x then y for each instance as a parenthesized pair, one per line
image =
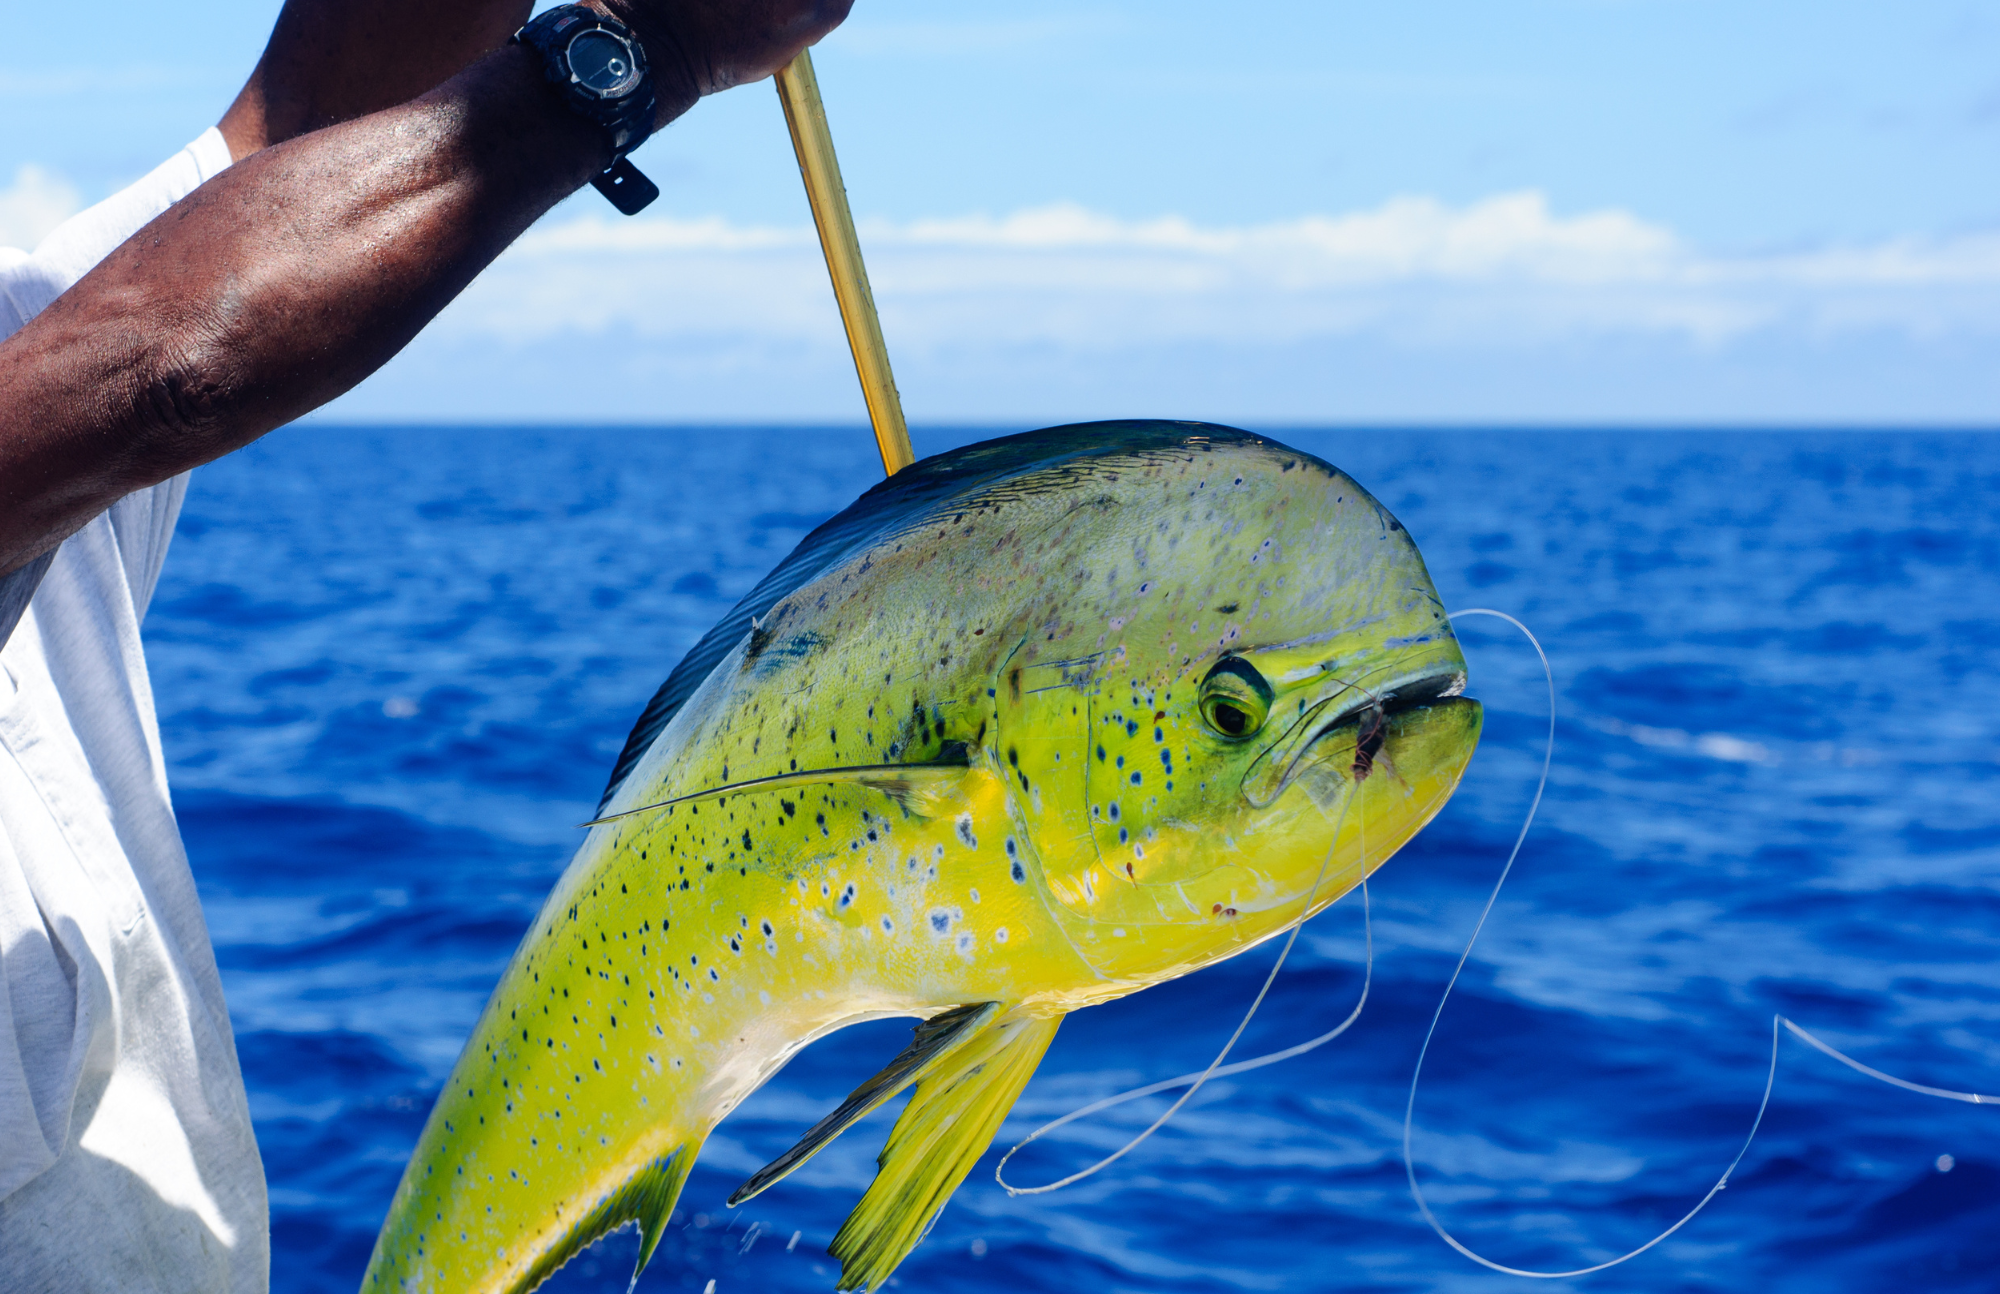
(936, 1039)
(958, 1106)
(907, 499)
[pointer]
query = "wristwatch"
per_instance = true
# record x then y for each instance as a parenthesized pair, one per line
(600, 70)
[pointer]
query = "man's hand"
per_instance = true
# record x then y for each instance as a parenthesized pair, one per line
(299, 271)
(331, 61)
(700, 47)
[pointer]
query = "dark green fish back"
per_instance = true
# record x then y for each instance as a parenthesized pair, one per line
(907, 500)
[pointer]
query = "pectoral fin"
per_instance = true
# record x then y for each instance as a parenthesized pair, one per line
(922, 788)
(960, 1102)
(936, 1038)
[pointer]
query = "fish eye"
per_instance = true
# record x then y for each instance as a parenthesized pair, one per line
(1235, 699)
(1228, 718)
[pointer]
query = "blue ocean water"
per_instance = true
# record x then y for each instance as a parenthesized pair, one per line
(393, 667)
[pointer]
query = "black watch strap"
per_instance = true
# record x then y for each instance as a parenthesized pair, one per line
(599, 68)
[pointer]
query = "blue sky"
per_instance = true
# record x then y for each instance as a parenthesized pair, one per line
(1510, 210)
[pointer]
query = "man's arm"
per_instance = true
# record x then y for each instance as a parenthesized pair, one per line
(330, 61)
(284, 281)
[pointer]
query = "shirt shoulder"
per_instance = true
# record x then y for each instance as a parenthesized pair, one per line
(86, 238)
(142, 522)
(26, 288)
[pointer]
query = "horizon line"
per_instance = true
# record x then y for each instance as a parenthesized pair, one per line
(1016, 425)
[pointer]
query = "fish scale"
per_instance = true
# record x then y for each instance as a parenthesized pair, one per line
(962, 765)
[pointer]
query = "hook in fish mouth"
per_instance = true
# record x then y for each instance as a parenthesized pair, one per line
(1355, 705)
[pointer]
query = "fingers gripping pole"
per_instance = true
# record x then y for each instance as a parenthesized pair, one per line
(805, 114)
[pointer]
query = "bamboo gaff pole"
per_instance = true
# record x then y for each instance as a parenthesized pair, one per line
(805, 114)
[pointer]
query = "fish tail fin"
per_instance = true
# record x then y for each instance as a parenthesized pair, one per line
(944, 1129)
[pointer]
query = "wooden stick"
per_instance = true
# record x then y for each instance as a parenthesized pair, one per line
(805, 114)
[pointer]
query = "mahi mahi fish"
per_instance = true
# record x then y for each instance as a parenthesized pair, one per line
(1034, 724)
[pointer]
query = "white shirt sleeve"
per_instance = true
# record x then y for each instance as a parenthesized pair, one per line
(29, 281)
(25, 287)
(111, 1015)
(73, 248)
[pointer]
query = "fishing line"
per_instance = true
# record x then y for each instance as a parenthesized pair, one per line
(1770, 1076)
(1970, 1098)
(1222, 1071)
(1216, 1069)
(1410, 1106)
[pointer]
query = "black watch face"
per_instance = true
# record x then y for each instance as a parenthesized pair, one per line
(602, 63)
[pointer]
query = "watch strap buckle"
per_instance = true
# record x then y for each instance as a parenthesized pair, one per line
(625, 187)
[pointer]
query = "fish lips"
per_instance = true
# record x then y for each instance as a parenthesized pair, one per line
(1363, 710)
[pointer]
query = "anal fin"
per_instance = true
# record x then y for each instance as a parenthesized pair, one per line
(936, 1039)
(959, 1104)
(656, 1207)
(646, 1199)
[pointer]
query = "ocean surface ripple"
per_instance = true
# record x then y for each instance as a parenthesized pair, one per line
(394, 665)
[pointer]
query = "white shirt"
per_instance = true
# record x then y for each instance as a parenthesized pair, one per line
(127, 1162)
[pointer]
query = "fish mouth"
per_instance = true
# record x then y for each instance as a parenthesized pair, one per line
(1358, 707)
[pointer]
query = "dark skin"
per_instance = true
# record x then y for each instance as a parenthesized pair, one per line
(328, 63)
(377, 173)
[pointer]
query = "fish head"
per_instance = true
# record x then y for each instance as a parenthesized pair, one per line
(1251, 699)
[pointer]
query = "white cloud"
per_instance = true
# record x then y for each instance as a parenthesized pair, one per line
(37, 202)
(1500, 273)
(657, 234)
(98, 81)
(1406, 238)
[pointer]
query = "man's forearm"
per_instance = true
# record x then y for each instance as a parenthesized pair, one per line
(270, 290)
(330, 61)
(294, 274)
